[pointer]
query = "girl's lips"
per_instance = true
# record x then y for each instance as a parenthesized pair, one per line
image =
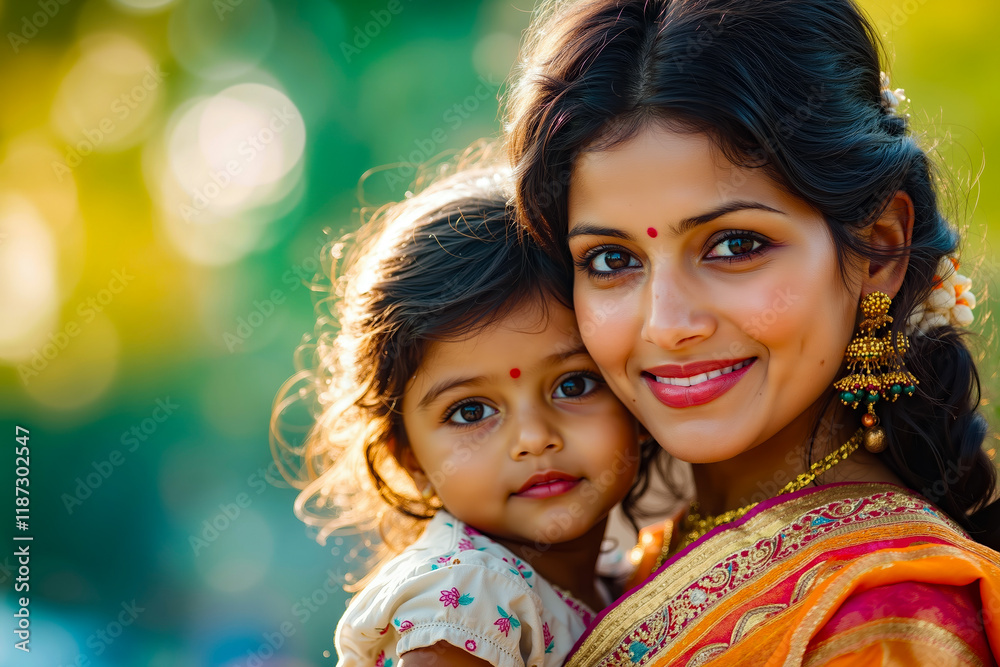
(549, 489)
(548, 484)
(704, 392)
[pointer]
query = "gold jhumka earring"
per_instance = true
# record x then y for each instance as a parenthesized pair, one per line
(876, 370)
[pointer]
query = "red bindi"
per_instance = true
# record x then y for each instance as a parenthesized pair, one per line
(515, 373)
(652, 232)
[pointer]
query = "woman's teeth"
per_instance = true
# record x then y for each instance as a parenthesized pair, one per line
(703, 377)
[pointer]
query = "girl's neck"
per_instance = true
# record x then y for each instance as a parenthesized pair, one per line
(567, 565)
(759, 473)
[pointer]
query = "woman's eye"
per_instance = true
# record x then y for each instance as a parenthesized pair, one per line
(609, 261)
(572, 387)
(470, 413)
(735, 246)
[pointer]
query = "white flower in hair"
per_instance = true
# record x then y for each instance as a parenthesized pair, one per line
(891, 98)
(950, 302)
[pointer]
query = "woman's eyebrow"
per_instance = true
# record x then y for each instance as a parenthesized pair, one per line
(688, 224)
(685, 225)
(588, 229)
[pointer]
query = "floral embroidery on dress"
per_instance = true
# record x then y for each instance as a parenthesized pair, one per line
(547, 638)
(520, 569)
(470, 645)
(402, 626)
(452, 598)
(465, 544)
(381, 660)
(506, 621)
(585, 615)
(471, 532)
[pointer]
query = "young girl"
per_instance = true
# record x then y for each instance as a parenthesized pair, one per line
(736, 177)
(463, 419)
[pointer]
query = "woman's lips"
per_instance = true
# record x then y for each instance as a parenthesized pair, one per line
(548, 484)
(705, 391)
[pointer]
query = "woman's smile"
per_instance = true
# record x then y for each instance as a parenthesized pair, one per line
(680, 387)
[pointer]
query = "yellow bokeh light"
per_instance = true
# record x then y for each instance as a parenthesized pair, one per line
(29, 298)
(108, 97)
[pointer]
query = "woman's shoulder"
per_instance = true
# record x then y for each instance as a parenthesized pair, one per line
(915, 622)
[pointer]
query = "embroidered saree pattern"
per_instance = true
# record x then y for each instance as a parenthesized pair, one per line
(756, 592)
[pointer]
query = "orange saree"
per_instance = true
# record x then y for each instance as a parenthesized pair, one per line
(842, 574)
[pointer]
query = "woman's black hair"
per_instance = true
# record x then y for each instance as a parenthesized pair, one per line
(792, 87)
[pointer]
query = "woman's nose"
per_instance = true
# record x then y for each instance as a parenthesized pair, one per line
(677, 313)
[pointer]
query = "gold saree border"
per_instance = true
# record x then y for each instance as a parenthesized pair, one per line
(827, 598)
(929, 635)
(756, 537)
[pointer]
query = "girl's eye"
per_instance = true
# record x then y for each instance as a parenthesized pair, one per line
(737, 245)
(470, 413)
(575, 386)
(610, 261)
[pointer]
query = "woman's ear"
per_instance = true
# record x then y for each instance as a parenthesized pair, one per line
(890, 234)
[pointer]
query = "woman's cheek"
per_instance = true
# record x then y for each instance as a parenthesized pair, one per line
(604, 327)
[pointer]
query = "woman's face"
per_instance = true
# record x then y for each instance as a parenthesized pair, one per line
(709, 297)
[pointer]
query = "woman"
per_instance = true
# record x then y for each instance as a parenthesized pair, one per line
(763, 275)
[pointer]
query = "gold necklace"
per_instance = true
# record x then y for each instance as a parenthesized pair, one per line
(694, 525)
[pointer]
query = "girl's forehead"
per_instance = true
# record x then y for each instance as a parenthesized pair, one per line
(532, 332)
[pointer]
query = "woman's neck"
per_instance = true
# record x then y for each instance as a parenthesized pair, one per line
(567, 565)
(759, 473)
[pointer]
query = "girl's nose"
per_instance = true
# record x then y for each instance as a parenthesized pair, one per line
(536, 434)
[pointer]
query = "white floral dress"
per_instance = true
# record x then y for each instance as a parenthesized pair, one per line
(457, 585)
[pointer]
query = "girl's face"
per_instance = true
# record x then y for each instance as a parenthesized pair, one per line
(517, 432)
(709, 297)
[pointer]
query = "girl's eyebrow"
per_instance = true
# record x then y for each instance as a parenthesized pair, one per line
(685, 225)
(444, 385)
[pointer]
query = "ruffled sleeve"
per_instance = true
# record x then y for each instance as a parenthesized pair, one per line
(471, 603)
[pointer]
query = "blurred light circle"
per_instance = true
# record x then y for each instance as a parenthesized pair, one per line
(76, 370)
(29, 298)
(222, 39)
(143, 5)
(105, 100)
(255, 127)
(35, 170)
(228, 167)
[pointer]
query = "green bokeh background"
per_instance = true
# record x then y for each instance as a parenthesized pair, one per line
(422, 81)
